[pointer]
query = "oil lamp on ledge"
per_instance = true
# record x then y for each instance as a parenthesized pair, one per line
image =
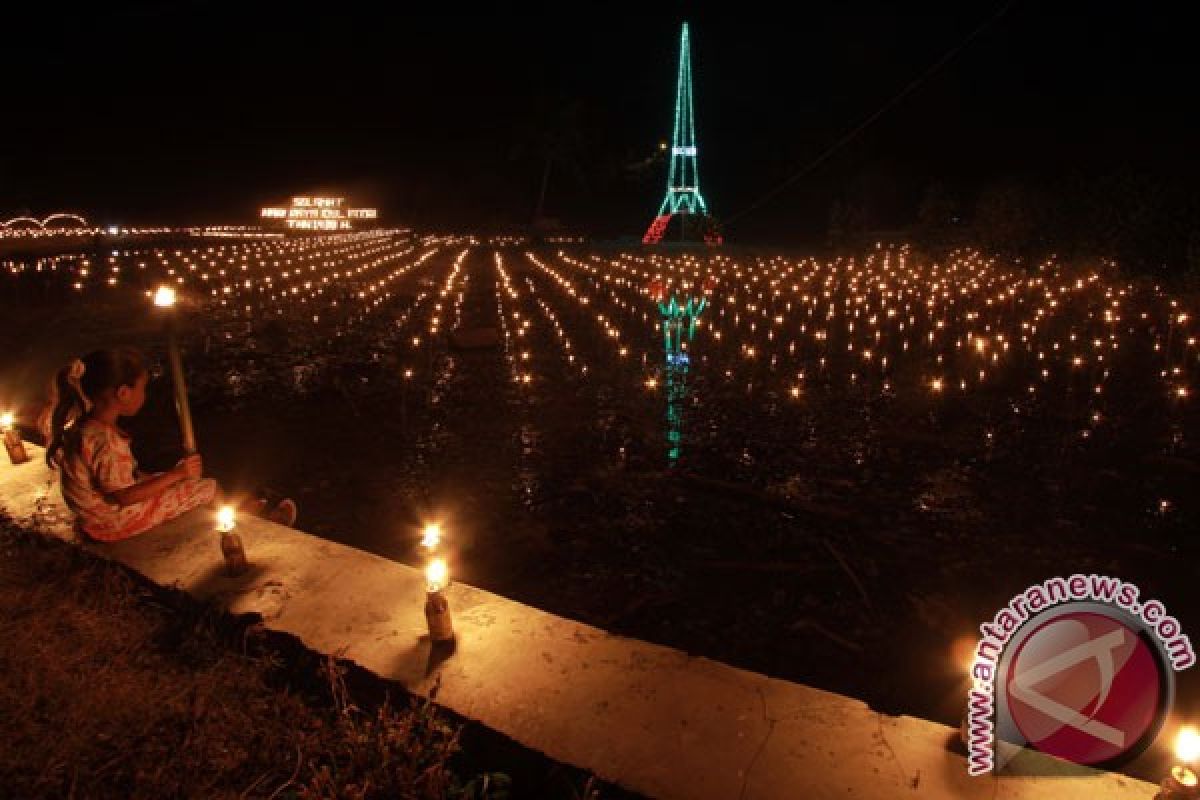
(1183, 783)
(437, 610)
(12, 439)
(231, 541)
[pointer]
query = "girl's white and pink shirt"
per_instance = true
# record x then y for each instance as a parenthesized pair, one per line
(96, 462)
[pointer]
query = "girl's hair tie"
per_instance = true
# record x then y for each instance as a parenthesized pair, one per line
(74, 375)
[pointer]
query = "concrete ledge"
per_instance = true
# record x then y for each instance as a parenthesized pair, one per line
(650, 718)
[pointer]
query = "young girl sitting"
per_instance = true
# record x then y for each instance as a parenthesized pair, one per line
(111, 499)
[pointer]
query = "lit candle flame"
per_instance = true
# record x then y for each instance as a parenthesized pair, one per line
(431, 536)
(436, 575)
(225, 519)
(7, 420)
(164, 297)
(1187, 745)
(1185, 776)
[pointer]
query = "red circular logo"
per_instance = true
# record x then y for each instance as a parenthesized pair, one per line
(1085, 687)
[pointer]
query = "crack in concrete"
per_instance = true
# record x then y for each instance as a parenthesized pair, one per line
(883, 738)
(761, 745)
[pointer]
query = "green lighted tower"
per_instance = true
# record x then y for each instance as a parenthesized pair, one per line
(683, 197)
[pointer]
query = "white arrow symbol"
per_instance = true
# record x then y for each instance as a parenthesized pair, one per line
(1101, 650)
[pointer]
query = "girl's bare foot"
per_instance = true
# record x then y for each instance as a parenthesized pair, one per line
(284, 513)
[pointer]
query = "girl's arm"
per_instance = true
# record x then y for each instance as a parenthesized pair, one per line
(146, 489)
(153, 486)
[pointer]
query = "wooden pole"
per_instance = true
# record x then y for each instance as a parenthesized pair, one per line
(182, 409)
(181, 397)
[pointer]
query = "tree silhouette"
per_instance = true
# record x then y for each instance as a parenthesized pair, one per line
(1009, 215)
(552, 137)
(937, 213)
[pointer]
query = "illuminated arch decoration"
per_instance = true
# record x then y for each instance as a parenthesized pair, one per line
(10, 223)
(83, 223)
(44, 223)
(683, 200)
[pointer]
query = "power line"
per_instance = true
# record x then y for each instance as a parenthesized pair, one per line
(890, 104)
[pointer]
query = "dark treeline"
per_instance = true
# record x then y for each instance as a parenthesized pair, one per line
(1149, 224)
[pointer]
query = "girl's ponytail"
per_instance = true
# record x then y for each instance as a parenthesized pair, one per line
(68, 404)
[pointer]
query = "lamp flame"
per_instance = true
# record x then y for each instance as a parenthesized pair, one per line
(225, 519)
(164, 297)
(1184, 777)
(436, 575)
(1187, 745)
(431, 536)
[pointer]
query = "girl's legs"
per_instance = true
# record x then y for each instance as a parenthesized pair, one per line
(141, 517)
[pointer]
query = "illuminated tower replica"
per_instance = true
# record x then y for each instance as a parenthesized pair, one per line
(683, 204)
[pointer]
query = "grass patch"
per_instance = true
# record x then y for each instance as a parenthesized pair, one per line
(113, 687)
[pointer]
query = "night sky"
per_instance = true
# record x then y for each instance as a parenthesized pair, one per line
(201, 112)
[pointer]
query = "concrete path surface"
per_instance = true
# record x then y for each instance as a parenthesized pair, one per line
(650, 718)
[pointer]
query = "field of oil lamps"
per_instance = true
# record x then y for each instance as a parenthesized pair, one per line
(801, 465)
